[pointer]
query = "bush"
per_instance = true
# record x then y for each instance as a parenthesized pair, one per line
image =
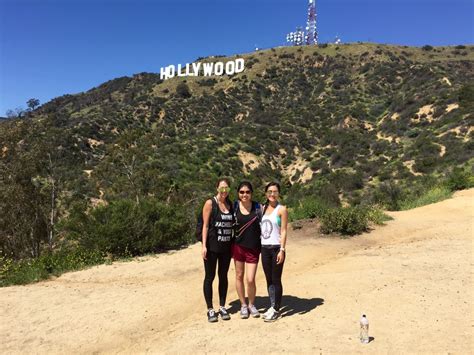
(125, 228)
(208, 82)
(377, 216)
(466, 96)
(432, 195)
(459, 179)
(427, 48)
(345, 220)
(309, 207)
(32, 270)
(182, 90)
(389, 194)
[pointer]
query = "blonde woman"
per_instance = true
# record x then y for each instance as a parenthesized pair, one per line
(217, 231)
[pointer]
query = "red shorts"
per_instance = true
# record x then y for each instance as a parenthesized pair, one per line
(245, 255)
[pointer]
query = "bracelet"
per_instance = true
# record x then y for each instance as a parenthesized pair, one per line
(282, 249)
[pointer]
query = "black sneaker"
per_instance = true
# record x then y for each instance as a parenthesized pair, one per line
(211, 316)
(273, 316)
(224, 314)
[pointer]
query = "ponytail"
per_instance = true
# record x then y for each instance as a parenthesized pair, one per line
(266, 206)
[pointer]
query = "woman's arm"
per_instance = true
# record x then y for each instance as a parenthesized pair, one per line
(206, 217)
(283, 213)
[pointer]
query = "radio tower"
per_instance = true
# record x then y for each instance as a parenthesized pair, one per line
(311, 31)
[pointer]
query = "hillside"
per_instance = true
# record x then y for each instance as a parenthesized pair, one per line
(336, 120)
(412, 277)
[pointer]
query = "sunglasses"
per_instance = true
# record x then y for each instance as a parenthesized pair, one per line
(223, 189)
(275, 193)
(245, 192)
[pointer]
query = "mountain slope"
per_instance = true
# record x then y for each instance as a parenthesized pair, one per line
(348, 117)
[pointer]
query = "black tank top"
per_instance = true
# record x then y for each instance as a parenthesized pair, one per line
(250, 236)
(220, 235)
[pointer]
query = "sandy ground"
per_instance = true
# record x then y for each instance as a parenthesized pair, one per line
(412, 277)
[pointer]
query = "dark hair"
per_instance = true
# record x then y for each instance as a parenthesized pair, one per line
(270, 184)
(245, 183)
(226, 180)
(242, 184)
(273, 183)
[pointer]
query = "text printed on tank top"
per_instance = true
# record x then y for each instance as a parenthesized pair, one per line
(224, 228)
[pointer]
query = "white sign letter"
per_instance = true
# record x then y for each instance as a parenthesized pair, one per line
(208, 69)
(239, 65)
(196, 67)
(230, 67)
(219, 68)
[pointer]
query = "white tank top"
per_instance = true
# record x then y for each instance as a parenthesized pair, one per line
(270, 228)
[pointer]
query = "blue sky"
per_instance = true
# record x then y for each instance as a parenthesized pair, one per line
(49, 48)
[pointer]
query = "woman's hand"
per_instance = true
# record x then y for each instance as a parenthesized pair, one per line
(204, 252)
(280, 257)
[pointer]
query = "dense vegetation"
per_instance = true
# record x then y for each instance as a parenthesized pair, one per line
(121, 169)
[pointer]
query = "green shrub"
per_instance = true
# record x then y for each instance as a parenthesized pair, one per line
(433, 195)
(345, 220)
(377, 216)
(389, 194)
(309, 207)
(31, 270)
(125, 228)
(182, 90)
(459, 179)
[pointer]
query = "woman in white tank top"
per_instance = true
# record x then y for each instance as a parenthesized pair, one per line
(273, 225)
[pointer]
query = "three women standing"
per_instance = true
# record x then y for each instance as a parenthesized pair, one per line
(254, 231)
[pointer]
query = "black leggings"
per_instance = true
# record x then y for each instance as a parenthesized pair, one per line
(210, 268)
(273, 273)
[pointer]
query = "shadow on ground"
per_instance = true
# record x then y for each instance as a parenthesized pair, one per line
(291, 305)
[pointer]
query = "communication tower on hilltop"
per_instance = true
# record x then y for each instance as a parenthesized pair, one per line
(296, 38)
(311, 30)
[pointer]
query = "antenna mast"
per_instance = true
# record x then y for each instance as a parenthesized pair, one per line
(311, 30)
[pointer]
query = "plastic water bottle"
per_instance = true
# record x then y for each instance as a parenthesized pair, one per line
(364, 330)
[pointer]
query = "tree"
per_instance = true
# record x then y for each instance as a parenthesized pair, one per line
(10, 114)
(17, 113)
(32, 104)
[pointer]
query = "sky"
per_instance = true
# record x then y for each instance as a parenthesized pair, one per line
(50, 48)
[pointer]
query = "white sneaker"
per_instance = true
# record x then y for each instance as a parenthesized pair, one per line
(272, 317)
(254, 311)
(244, 312)
(268, 313)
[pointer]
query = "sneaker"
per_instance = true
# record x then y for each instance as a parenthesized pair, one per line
(211, 316)
(268, 312)
(272, 316)
(244, 312)
(254, 311)
(224, 314)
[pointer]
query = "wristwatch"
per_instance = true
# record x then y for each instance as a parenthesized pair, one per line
(282, 249)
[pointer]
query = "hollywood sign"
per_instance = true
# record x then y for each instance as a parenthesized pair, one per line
(203, 69)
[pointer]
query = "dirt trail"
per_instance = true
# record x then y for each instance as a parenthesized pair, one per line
(412, 277)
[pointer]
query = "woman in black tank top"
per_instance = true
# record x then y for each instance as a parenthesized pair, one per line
(217, 233)
(246, 249)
